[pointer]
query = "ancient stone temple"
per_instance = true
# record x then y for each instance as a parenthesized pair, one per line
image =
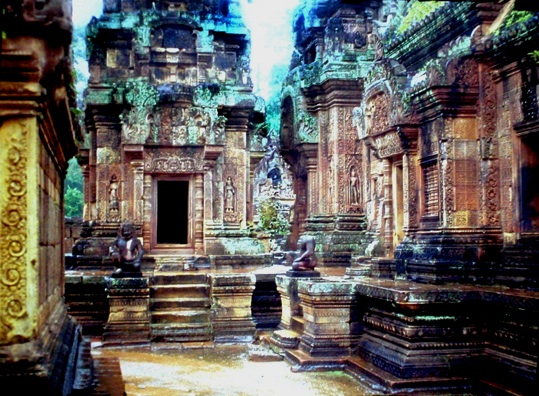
(40, 344)
(410, 128)
(172, 143)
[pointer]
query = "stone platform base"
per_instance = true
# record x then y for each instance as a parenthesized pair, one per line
(367, 373)
(303, 274)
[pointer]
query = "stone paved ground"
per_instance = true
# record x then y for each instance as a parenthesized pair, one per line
(222, 370)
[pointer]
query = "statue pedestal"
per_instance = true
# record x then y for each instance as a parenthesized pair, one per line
(303, 274)
(317, 317)
(129, 316)
(287, 286)
(231, 307)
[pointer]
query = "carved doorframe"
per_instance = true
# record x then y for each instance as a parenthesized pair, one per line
(189, 247)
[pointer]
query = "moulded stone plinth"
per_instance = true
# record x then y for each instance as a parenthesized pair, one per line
(285, 339)
(303, 274)
(231, 307)
(287, 287)
(421, 333)
(330, 324)
(129, 315)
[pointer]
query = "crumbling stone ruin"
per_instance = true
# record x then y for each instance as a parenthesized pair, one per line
(409, 143)
(414, 159)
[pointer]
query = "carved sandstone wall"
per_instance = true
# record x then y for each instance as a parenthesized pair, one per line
(38, 340)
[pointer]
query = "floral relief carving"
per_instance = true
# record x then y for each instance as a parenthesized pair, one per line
(465, 73)
(13, 235)
(376, 114)
(492, 199)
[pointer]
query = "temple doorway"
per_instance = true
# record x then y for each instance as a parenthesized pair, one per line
(171, 213)
(529, 176)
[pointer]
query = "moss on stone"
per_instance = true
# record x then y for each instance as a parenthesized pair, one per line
(417, 11)
(513, 18)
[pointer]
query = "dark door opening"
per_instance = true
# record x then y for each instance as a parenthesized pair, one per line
(172, 212)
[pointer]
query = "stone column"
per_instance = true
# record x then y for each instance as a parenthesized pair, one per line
(129, 314)
(231, 307)
(388, 216)
(410, 195)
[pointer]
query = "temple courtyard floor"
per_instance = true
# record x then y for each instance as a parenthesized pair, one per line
(221, 370)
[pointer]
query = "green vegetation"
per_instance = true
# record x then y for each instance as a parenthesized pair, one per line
(416, 12)
(513, 18)
(73, 186)
(273, 106)
(270, 219)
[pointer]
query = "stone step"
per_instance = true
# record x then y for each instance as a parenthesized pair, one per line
(200, 316)
(185, 332)
(285, 339)
(178, 278)
(167, 304)
(297, 324)
(177, 291)
(108, 377)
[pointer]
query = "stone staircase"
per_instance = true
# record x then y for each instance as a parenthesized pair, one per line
(180, 307)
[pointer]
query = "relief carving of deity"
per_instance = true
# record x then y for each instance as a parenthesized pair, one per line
(230, 195)
(354, 187)
(114, 205)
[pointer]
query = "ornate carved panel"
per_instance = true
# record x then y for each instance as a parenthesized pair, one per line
(169, 162)
(387, 144)
(378, 107)
(13, 229)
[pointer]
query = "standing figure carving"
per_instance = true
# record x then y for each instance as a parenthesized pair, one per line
(127, 252)
(354, 187)
(230, 195)
(114, 205)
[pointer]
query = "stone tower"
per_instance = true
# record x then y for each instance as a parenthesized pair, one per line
(170, 116)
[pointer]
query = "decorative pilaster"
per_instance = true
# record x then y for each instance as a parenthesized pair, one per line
(18, 247)
(199, 214)
(312, 186)
(138, 190)
(388, 215)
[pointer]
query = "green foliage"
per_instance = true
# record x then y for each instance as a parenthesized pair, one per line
(417, 11)
(270, 219)
(73, 187)
(513, 18)
(273, 105)
(535, 56)
(73, 202)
